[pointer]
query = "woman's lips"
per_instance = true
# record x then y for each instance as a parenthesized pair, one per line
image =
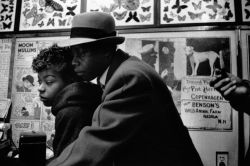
(43, 98)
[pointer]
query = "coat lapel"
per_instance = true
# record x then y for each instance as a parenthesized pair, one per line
(118, 58)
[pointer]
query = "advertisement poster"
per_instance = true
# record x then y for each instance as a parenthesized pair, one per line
(174, 55)
(26, 105)
(5, 54)
(197, 11)
(202, 107)
(125, 12)
(7, 15)
(44, 14)
(19, 126)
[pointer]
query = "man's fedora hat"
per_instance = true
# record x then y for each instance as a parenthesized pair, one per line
(92, 27)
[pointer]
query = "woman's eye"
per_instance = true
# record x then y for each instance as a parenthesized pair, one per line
(49, 82)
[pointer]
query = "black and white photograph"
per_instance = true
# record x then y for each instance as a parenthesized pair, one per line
(124, 83)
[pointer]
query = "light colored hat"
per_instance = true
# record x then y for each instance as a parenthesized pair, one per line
(92, 27)
(148, 49)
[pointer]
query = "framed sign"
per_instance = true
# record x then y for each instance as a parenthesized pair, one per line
(222, 158)
(126, 12)
(47, 15)
(202, 107)
(196, 11)
(170, 54)
(7, 15)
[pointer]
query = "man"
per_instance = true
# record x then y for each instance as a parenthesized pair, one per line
(137, 122)
(148, 54)
(237, 92)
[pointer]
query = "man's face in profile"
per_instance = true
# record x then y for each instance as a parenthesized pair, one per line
(89, 61)
(149, 58)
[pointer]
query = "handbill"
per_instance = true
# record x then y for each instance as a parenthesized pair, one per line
(202, 107)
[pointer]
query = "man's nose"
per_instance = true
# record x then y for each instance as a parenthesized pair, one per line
(74, 61)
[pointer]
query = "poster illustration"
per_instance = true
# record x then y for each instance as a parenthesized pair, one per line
(7, 15)
(202, 107)
(48, 14)
(27, 109)
(19, 126)
(245, 10)
(196, 11)
(172, 55)
(125, 12)
(5, 54)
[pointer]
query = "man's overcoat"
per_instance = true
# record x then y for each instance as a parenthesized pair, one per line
(137, 123)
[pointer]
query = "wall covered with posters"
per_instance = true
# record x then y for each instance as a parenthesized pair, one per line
(170, 30)
(28, 112)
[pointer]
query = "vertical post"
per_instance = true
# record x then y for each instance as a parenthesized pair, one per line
(241, 140)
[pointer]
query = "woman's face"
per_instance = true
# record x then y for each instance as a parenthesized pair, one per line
(50, 83)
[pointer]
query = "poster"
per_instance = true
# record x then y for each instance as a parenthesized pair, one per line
(45, 15)
(125, 12)
(202, 107)
(27, 109)
(19, 126)
(245, 6)
(5, 55)
(171, 54)
(7, 15)
(196, 11)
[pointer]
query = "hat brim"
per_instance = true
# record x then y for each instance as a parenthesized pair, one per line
(77, 41)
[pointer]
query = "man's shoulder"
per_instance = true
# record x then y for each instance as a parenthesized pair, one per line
(132, 67)
(133, 63)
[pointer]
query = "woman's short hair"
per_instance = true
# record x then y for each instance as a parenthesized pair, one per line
(58, 59)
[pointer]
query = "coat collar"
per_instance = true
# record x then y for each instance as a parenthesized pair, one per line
(119, 57)
(103, 77)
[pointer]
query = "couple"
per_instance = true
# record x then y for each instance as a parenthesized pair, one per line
(136, 122)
